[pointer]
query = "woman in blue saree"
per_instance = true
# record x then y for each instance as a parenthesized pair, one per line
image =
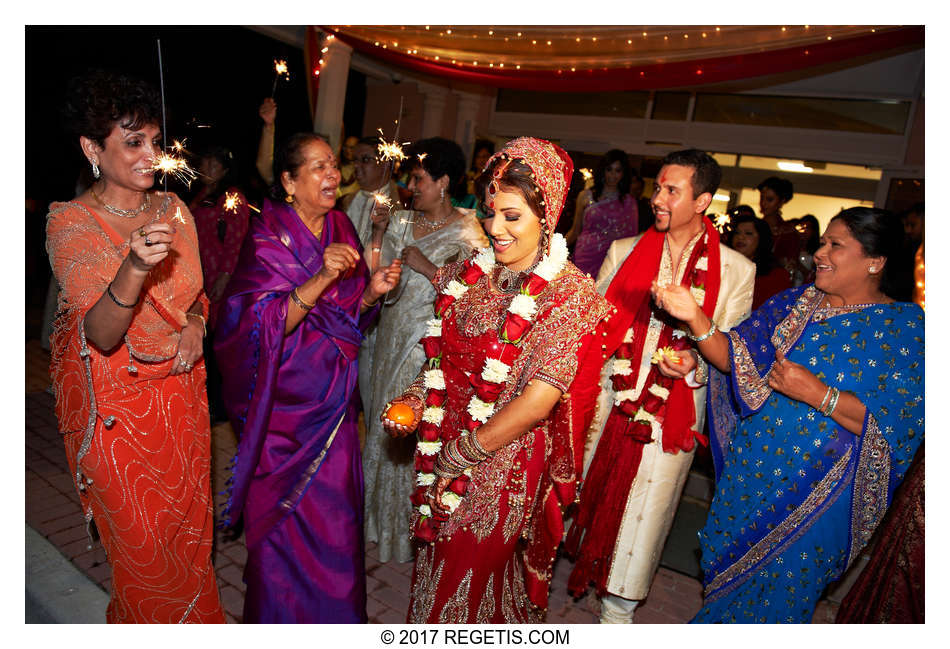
(815, 415)
(288, 336)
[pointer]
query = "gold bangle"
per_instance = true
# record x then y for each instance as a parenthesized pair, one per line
(368, 305)
(204, 324)
(299, 301)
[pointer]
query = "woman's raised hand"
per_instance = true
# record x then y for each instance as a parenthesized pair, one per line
(149, 245)
(401, 430)
(338, 259)
(268, 111)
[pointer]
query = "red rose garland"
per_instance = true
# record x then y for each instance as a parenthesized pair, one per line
(488, 385)
(644, 411)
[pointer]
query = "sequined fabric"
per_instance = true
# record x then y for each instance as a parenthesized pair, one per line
(797, 495)
(498, 532)
(137, 439)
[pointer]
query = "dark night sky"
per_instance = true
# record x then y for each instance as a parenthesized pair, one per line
(217, 75)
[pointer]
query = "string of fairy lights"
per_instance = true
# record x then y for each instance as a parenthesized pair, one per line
(573, 49)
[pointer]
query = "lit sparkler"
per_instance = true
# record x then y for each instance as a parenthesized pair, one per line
(169, 164)
(178, 215)
(422, 156)
(382, 199)
(231, 202)
(389, 151)
(722, 221)
(280, 69)
(587, 173)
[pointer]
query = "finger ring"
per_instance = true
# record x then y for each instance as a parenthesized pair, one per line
(141, 232)
(148, 241)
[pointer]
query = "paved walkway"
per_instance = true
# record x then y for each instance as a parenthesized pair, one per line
(52, 510)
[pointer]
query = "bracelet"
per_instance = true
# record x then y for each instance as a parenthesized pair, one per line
(832, 403)
(118, 301)
(368, 305)
(699, 339)
(824, 400)
(299, 301)
(470, 447)
(376, 249)
(204, 325)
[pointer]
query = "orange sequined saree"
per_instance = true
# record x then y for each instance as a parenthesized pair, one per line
(137, 439)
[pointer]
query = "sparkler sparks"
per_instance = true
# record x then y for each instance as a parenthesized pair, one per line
(178, 216)
(170, 165)
(722, 221)
(588, 175)
(280, 69)
(231, 202)
(382, 199)
(390, 150)
(422, 156)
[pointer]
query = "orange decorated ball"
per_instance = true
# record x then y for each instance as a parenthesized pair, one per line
(400, 413)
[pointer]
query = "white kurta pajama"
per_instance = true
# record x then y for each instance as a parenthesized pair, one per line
(655, 493)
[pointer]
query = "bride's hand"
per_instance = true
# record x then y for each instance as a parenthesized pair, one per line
(400, 430)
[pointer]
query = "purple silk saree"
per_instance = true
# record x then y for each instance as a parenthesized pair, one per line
(297, 477)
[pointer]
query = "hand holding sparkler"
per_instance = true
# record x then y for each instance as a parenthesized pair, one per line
(149, 245)
(268, 111)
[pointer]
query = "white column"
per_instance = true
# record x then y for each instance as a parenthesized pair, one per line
(328, 116)
(433, 108)
(465, 121)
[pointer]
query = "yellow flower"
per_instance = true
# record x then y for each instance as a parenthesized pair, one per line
(668, 352)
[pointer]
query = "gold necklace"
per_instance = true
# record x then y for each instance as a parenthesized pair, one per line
(126, 214)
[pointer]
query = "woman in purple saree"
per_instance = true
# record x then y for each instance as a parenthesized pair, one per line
(288, 338)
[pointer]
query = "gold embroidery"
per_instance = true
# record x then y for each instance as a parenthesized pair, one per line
(486, 609)
(426, 583)
(455, 610)
(786, 532)
(869, 500)
(754, 389)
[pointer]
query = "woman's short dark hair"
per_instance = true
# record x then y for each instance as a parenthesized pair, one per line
(290, 158)
(784, 189)
(516, 177)
(100, 99)
(442, 158)
(623, 187)
(881, 234)
(763, 258)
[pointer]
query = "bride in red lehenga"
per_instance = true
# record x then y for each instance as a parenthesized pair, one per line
(503, 401)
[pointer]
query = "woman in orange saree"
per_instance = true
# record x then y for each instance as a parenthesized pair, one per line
(126, 362)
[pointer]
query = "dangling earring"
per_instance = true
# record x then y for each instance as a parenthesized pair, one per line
(289, 198)
(95, 169)
(872, 269)
(442, 194)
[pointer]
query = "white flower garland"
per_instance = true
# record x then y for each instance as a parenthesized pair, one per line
(495, 371)
(433, 414)
(434, 380)
(524, 306)
(429, 448)
(434, 327)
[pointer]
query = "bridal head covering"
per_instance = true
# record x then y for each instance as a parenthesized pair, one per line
(551, 171)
